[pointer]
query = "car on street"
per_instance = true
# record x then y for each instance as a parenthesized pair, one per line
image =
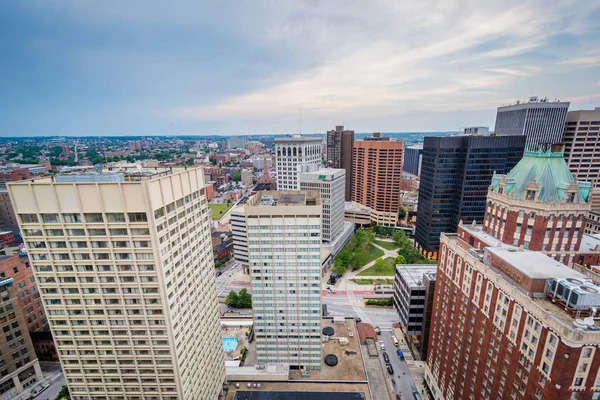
(400, 354)
(386, 358)
(395, 341)
(377, 330)
(382, 345)
(219, 273)
(357, 319)
(390, 369)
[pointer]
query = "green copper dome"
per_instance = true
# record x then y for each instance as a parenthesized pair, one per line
(549, 171)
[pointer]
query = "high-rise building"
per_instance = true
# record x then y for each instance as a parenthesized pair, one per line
(455, 175)
(410, 300)
(582, 149)
(511, 324)
(293, 152)
(19, 365)
(124, 265)
(541, 121)
(330, 182)
(592, 226)
(413, 156)
(376, 174)
(236, 143)
(284, 252)
(339, 154)
(539, 205)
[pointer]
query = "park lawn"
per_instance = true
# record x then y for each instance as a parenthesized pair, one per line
(374, 254)
(389, 270)
(218, 210)
(386, 245)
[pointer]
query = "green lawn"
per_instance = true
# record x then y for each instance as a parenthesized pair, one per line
(374, 254)
(389, 270)
(386, 245)
(218, 210)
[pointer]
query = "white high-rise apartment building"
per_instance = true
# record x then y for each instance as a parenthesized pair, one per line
(125, 269)
(284, 251)
(292, 153)
(331, 183)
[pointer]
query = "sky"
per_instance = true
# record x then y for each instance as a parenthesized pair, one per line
(133, 67)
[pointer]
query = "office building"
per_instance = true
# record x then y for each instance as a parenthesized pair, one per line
(413, 156)
(592, 226)
(476, 130)
(455, 176)
(236, 143)
(240, 238)
(330, 182)
(284, 249)
(582, 149)
(511, 324)
(292, 153)
(539, 205)
(410, 299)
(339, 154)
(20, 368)
(542, 122)
(376, 174)
(124, 265)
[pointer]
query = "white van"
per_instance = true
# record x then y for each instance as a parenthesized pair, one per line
(395, 341)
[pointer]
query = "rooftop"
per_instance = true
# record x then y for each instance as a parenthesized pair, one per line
(279, 198)
(413, 273)
(590, 243)
(297, 139)
(534, 264)
(547, 172)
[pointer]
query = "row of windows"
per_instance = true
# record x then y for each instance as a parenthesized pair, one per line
(76, 218)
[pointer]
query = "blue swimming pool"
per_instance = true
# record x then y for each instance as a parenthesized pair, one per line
(229, 343)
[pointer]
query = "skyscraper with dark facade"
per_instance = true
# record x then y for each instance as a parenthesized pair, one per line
(339, 154)
(413, 155)
(541, 121)
(456, 172)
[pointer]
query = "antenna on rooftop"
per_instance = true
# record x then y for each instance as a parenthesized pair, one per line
(301, 120)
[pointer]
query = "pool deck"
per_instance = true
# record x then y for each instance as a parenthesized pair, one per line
(238, 333)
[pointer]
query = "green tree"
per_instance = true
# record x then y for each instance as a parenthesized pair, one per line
(236, 176)
(189, 162)
(232, 299)
(64, 393)
(400, 260)
(244, 299)
(401, 214)
(380, 265)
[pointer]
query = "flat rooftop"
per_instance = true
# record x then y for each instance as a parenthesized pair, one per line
(297, 139)
(413, 273)
(534, 264)
(296, 395)
(477, 231)
(292, 199)
(590, 243)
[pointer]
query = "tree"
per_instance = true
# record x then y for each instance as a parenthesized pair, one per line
(244, 299)
(380, 265)
(189, 162)
(400, 260)
(64, 393)
(232, 299)
(236, 176)
(401, 214)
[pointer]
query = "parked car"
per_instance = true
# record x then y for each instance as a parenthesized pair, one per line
(386, 358)
(395, 341)
(400, 354)
(382, 345)
(219, 273)
(390, 369)
(377, 330)
(357, 319)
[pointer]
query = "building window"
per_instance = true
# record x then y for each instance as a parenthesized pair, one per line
(29, 218)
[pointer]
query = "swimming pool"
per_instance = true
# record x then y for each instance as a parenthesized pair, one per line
(229, 343)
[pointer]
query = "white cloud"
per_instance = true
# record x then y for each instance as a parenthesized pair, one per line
(390, 56)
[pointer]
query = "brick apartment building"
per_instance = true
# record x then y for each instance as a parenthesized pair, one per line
(502, 328)
(376, 175)
(19, 269)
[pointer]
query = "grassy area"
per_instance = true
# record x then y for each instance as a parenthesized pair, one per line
(374, 254)
(218, 210)
(386, 245)
(362, 281)
(388, 270)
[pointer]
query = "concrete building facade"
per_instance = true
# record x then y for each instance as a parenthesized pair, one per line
(455, 177)
(501, 327)
(330, 182)
(582, 149)
(592, 226)
(540, 121)
(125, 269)
(284, 249)
(376, 175)
(291, 154)
(339, 154)
(413, 156)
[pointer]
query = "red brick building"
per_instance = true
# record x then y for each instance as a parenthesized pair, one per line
(500, 330)
(19, 269)
(376, 175)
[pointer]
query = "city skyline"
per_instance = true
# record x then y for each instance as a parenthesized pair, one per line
(103, 69)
